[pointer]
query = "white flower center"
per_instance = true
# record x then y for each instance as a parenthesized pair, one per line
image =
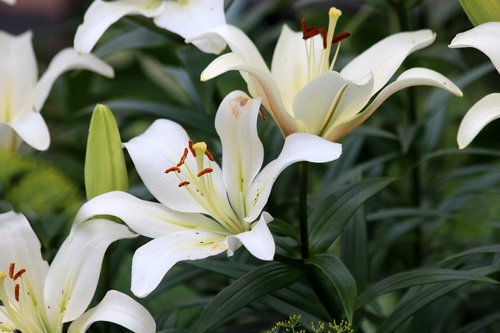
(320, 63)
(20, 304)
(194, 172)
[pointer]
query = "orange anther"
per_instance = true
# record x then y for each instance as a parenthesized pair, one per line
(190, 144)
(16, 292)
(174, 168)
(18, 274)
(12, 267)
(183, 157)
(308, 32)
(185, 183)
(209, 155)
(204, 171)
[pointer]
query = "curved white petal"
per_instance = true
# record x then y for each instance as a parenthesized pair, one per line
(194, 18)
(258, 241)
(102, 14)
(33, 130)
(413, 77)
(65, 60)
(385, 57)
(150, 219)
(4, 319)
(21, 247)
(74, 272)
(298, 147)
(290, 65)
(329, 99)
(19, 73)
(260, 84)
(485, 37)
(117, 308)
(479, 115)
(242, 151)
(153, 260)
(159, 148)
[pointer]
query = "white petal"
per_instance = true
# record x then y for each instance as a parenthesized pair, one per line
(159, 148)
(194, 18)
(102, 14)
(242, 151)
(150, 219)
(32, 129)
(290, 64)
(74, 272)
(479, 115)
(258, 241)
(485, 37)
(298, 147)
(329, 99)
(65, 60)
(260, 84)
(4, 319)
(116, 308)
(385, 57)
(21, 247)
(153, 260)
(413, 77)
(19, 73)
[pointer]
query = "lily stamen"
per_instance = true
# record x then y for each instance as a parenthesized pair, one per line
(18, 274)
(16, 292)
(12, 267)
(190, 144)
(204, 171)
(183, 157)
(174, 168)
(340, 37)
(210, 156)
(184, 183)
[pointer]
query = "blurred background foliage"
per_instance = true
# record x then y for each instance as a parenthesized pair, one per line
(428, 201)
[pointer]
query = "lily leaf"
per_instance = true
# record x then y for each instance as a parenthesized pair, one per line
(340, 277)
(105, 168)
(261, 281)
(333, 213)
(481, 11)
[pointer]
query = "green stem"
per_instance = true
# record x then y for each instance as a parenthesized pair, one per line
(304, 229)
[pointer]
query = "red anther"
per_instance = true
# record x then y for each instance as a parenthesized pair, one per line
(174, 168)
(185, 183)
(16, 292)
(340, 37)
(308, 32)
(190, 144)
(209, 155)
(18, 274)
(204, 171)
(12, 267)
(183, 157)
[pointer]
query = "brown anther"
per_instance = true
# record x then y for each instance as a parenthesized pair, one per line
(204, 171)
(12, 267)
(183, 157)
(174, 168)
(190, 144)
(340, 37)
(18, 274)
(209, 155)
(16, 292)
(185, 183)
(308, 32)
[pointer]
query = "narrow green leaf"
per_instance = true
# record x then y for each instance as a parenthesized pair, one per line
(480, 325)
(339, 276)
(105, 168)
(415, 278)
(457, 258)
(332, 214)
(261, 281)
(421, 297)
(481, 11)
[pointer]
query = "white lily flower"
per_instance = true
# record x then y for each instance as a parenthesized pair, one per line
(204, 210)
(186, 18)
(303, 93)
(38, 298)
(22, 96)
(486, 38)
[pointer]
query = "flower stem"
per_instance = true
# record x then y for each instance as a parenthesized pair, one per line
(304, 230)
